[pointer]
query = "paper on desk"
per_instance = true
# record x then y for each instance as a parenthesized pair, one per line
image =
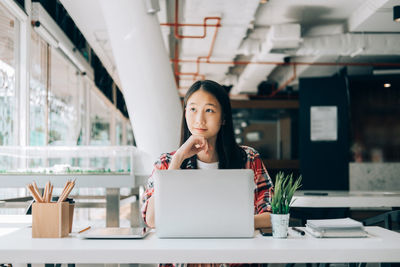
(345, 223)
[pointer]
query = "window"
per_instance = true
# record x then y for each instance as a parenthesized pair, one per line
(130, 140)
(8, 37)
(100, 120)
(118, 131)
(83, 111)
(38, 91)
(65, 88)
(9, 29)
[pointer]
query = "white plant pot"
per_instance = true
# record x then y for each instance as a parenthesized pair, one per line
(280, 225)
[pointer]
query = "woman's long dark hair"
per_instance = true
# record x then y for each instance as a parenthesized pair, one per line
(230, 154)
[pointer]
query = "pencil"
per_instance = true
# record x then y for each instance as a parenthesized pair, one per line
(48, 191)
(45, 192)
(34, 194)
(66, 192)
(65, 187)
(51, 192)
(63, 191)
(36, 189)
(83, 230)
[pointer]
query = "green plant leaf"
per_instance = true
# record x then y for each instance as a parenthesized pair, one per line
(285, 187)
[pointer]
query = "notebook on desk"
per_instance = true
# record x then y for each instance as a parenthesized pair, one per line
(114, 233)
(344, 227)
(204, 203)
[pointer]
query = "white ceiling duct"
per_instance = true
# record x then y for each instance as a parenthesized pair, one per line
(253, 74)
(285, 36)
(350, 45)
(252, 44)
(330, 48)
(249, 47)
(285, 73)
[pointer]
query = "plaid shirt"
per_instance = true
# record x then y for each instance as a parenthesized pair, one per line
(262, 192)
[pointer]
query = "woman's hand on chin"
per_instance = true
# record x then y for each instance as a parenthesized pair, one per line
(191, 147)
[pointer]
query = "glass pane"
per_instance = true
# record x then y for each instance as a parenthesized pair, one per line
(64, 118)
(8, 33)
(100, 118)
(8, 50)
(82, 111)
(130, 140)
(38, 91)
(118, 134)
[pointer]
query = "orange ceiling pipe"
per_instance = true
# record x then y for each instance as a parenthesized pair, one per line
(189, 24)
(179, 36)
(283, 86)
(360, 64)
(205, 25)
(178, 74)
(198, 60)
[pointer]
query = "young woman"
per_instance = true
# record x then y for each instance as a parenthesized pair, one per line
(208, 142)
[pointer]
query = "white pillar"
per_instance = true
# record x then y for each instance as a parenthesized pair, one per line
(144, 69)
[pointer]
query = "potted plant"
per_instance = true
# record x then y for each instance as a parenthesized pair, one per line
(285, 187)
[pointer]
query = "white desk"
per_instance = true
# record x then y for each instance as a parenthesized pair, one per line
(347, 199)
(382, 246)
(15, 221)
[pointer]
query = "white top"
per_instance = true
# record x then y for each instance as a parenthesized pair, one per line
(381, 246)
(204, 165)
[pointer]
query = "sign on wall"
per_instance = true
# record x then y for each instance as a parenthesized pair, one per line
(323, 123)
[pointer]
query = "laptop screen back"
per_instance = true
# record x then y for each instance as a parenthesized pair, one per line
(204, 203)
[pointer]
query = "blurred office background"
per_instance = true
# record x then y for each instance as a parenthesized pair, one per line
(62, 84)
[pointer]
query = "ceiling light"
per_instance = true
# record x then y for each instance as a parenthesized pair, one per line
(386, 72)
(263, 1)
(396, 13)
(387, 85)
(238, 131)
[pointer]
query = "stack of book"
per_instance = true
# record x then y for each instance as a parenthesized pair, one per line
(345, 227)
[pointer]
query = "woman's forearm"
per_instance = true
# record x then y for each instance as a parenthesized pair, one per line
(262, 220)
(150, 221)
(175, 162)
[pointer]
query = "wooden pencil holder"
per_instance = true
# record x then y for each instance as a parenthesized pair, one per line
(51, 220)
(71, 216)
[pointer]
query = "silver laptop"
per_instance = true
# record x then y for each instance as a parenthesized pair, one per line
(114, 233)
(204, 203)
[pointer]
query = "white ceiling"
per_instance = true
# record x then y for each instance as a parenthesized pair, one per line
(307, 12)
(245, 25)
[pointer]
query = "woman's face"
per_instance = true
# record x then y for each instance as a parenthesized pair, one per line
(203, 114)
